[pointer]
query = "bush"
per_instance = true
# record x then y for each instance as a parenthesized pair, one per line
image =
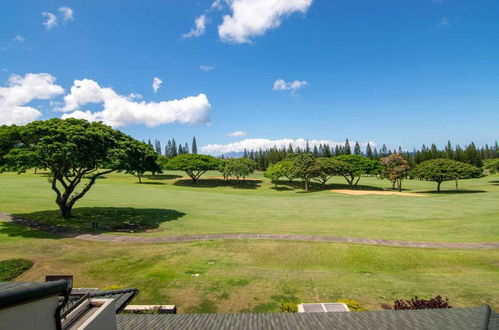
(12, 268)
(289, 307)
(353, 305)
(416, 303)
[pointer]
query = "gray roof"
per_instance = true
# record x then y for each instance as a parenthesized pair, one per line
(121, 297)
(441, 319)
(12, 293)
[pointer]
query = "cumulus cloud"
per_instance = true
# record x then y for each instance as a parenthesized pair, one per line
(206, 67)
(67, 13)
(50, 20)
(198, 29)
(156, 83)
(237, 133)
(21, 91)
(256, 144)
(119, 110)
(293, 86)
(250, 18)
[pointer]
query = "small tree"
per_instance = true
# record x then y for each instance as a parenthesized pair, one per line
(492, 165)
(440, 170)
(75, 151)
(394, 168)
(352, 167)
(238, 167)
(274, 172)
(193, 165)
(141, 158)
(288, 170)
(305, 168)
(327, 167)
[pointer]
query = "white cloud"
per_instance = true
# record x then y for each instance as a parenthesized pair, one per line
(250, 18)
(22, 90)
(293, 86)
(237, 133)
(50, 20)
(19, 38)
(156, 83)
(256, 144)
(67, 13)
(206, 67)
(443, 22)
(198, 29)
(119, 110)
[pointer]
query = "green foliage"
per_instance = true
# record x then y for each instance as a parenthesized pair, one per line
(289, 307)
(238, 167)
(327, 168)
(353, 305)
(492, 165)
(193, 165)
(75, 150)
(287, 169)
(352, 167)
(274, 172)
(440, 170)
(9, 137)
(12, 268)
(305, 167)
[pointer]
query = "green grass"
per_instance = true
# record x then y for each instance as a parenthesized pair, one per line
(257, 276)
(12, 268)
(237, 276)
(169, 205)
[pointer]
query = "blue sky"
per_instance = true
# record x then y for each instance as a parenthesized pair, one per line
(397, 72)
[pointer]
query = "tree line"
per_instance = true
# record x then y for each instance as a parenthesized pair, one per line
(468, 154)
(171, 149)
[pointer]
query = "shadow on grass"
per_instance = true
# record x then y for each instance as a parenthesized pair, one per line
(494, 182)
(212, 183)
(153, 183)
(17, 230)
(108, 219)
(452, 192)
(281, 188)
(315, 186)
(162, 176)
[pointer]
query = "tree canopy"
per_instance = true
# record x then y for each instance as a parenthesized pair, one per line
(440, 170)
(274, 172)
(394, 168)
(352, 167)
(492, 165)
(305, 168)
(75, 151)
(237, 167)
(193, 165)
(327, 167)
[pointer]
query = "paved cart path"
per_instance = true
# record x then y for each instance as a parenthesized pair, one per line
(65, 232)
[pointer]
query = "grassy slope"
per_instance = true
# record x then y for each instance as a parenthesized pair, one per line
(181, 209)
(254, 275)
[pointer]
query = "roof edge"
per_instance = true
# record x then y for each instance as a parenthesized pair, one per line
(27, 291)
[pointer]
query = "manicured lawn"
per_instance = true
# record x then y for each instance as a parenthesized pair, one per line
(239, 276)
(170, 205)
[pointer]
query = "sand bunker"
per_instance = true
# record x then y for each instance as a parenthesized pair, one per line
(376, 192)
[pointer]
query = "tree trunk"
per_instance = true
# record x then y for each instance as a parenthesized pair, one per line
(457, 185)
(438, 185)
(399, 183)
(306, 185)
(140, 177)
(66, 210)
(393, 185)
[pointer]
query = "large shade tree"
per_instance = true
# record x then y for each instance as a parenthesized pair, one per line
(492, 165)
(327, 168)
(440, 170)
(352, 167)
(193, 165)
(76, 152)
(237, 167)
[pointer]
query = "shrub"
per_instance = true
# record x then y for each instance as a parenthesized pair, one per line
(416, 303)
(353, 305)
(289, 307)
(12, 268)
